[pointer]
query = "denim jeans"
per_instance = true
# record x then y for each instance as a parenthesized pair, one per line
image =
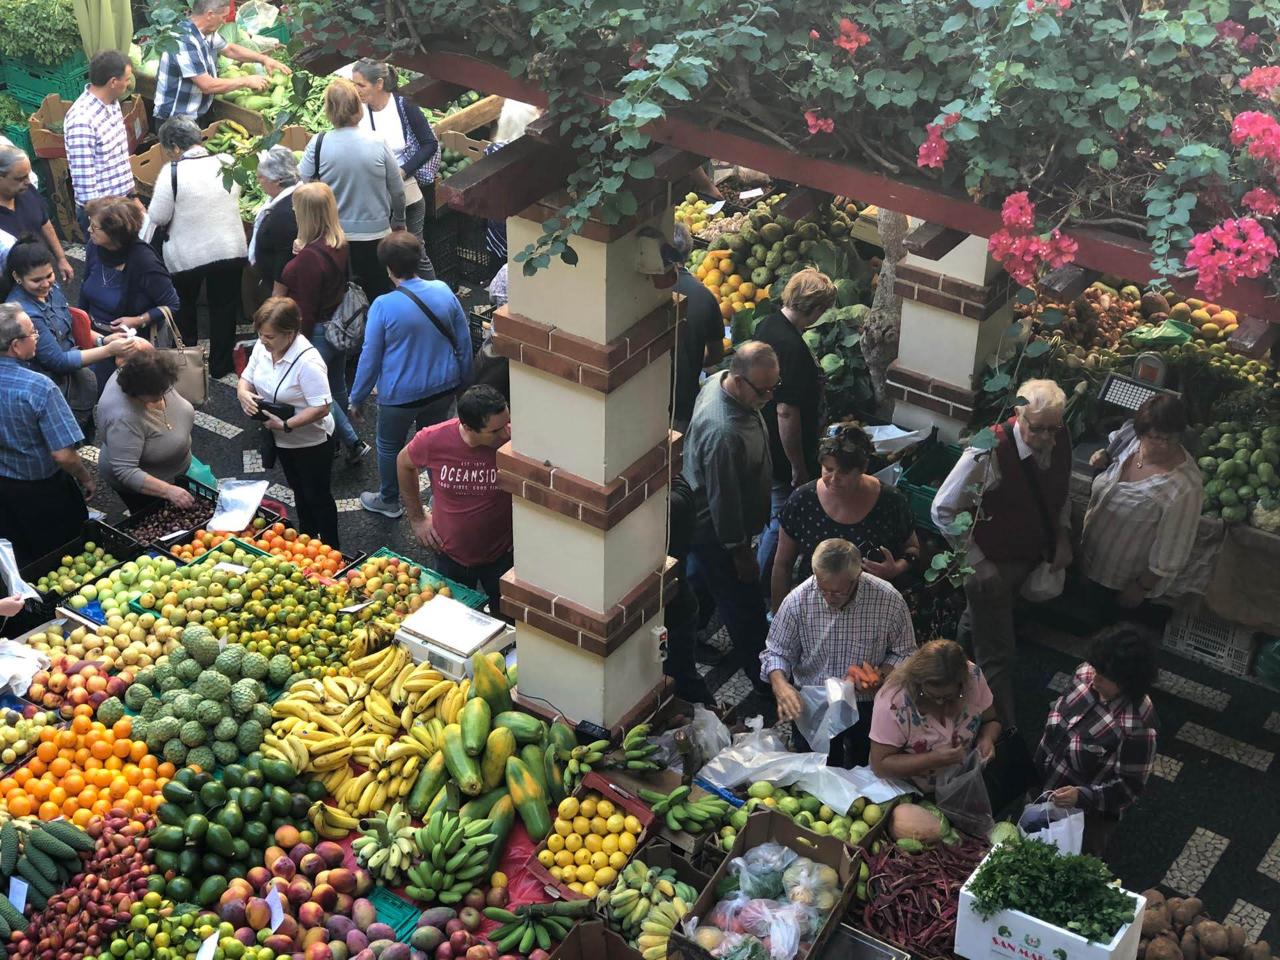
(740, 604)
(336, 361)
(415, 216)
(768, 545)
(393, 430)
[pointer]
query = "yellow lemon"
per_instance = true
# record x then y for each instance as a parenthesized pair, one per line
(581, 824)
(590, 889)
(726, 266)
(573, 843)
(618, 860)
(604, 809)
(606, 876)
(713, 278)
(555, 872)
(632, 825)
(585, 873)
(599, 825)
(592, 842)
(627, 843)
(599, 861)
(499, 879)
(582, 856)
(564, 859)
(555, 843)
(546, 858)
(563, 827)
(588, 806)
(576, 887)
(568, 808)
(616, 823)
(609, 844)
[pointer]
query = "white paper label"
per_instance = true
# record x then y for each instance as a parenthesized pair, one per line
(714, 208)
(277, 911)
(233, 567)
(751, 194)
(356, 607)
(18, 893)
(208, 948)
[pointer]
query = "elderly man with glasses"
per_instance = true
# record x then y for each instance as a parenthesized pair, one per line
(840, 617)
(43, 482)
(1017, 495)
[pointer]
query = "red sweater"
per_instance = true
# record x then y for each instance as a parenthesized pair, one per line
(316, 283)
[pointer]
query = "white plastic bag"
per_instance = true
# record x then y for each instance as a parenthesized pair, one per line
(829, 710)
(1061, 826)
(12, 579)
(238, 500)
(709, 735)
(961, 794)
(1043, 583)
(256, 16)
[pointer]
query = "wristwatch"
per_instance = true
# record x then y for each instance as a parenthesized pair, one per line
(287, 428)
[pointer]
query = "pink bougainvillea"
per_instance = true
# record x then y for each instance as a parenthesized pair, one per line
(1232, 250)
(933, 152)
(1059, 6)
(1230, 30)
(1262, 202)
(1262, 81)
(851, 37)
(818, 124)
(1260, 132)
(1019, 249)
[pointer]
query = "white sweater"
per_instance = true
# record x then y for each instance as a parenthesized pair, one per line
(205, 227)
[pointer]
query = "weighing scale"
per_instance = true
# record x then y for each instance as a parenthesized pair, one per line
(447, 634)
(1129, 393)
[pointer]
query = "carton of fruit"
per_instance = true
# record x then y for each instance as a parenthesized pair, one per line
(593, 940)
(98, 550)
(569, 835)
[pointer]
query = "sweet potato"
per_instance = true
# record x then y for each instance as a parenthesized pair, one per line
(1235, 938)
(1212, 937)
(1190, 945)
(1187, 911)
(1161, 948)
(1171, 904)
(1155, 919)
(1256, 951)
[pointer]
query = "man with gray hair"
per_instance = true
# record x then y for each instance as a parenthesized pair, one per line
(41, 506)
(726, 463)
(700, 339)
(22, 212)
(841, 617)
(187, 78)
(1017, 496)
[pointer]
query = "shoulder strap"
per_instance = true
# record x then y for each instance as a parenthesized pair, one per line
(316, 161)
(281, 381)
(372, 124)
(173, 179)
(444, 331)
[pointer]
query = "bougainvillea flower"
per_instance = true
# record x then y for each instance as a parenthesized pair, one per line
(851, 37)
(1262, 202)
(818, 124)
(1261, 81)
(1228, 252)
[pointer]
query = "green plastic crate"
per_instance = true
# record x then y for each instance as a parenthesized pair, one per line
(395, 911)
(20, 136)
(217, 554)
(475, 599)
(279, 30)
(921, 480)
(30, 82)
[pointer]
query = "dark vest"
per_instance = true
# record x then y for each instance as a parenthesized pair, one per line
(1014, 528)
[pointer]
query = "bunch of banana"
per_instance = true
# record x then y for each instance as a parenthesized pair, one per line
(637, 749)
(453, 857)
(382, 667)
(330, 822)
(693, 816)
(371, 637)
(644, 905)
(534, 925)
(579, 761)
(429, 734)
(385, 845)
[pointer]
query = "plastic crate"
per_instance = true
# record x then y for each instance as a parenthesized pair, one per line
(202, 492)
(475, 599)
(19, 136)
(440, 237)
(395, 911)
(30, 82)
(476, 263)
(921, 480)
(476, 319)
(1211, 640)
(217, 554)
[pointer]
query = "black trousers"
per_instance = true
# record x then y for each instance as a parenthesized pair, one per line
(221, 282)
(681, 665)
(850, 749)
(486, 576)
(366, 270)
(307, 470)
(39, 516)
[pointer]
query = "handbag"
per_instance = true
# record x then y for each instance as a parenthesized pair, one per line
(345, 328)
(82, 329)
(440, 328)
(192, 365)
(283, 411)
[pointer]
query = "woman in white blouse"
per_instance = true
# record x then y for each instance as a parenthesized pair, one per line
(1144, 511)
(285, 369)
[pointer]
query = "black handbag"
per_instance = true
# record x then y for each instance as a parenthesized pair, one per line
(1010, 773)
(283, 411)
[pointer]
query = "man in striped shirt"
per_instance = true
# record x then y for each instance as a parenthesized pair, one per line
(96, 140)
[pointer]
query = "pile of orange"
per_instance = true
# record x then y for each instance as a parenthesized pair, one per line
(299, 548)
(83, 770)
(202, 541)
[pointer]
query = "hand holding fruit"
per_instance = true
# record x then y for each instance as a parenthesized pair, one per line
(1100, 460)
(179, 497)
(275, 66)
(255, 82)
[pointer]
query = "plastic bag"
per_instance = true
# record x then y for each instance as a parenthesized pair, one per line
(760, 870)
(1171, 333)
(238, 500)
(256, 16)
(781, 927)
(1043, 583)
(740, 946)
(829, 710)
(1061, 826)
(709, 734)
(806, 883)
(12, 579)
(961, 794)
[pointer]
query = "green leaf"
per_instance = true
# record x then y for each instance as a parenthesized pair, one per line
(1025, 296)
(1051, 317)
(1037, 348)
(674, 87)
(641, 168)
(996, 382)
(1086, 147)
(984, 439)
(1108, 159)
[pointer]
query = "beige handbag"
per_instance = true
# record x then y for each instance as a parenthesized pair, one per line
(190, 362)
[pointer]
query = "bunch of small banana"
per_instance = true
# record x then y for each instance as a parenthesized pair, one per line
(330, 822)
(579, 761)
(385, 845)
(693, 816)
(453, 857)
(392, 768)
(369, 638)
(637, 749)
(535, 924)
(382, 667)
(644, 905)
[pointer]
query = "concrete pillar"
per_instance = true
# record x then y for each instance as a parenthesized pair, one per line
(954, 311)
(588, 466)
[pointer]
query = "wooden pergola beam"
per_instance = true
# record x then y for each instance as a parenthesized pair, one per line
(509, 180)
(933, 241)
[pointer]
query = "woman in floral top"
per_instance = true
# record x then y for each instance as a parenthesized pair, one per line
(931, 712)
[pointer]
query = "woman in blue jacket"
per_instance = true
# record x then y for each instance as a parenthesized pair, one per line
(417, 353)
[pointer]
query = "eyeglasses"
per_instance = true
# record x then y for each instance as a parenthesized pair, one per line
(33, 335)
(944, 701)
(762, 391)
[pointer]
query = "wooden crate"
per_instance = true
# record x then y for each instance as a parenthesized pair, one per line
(45, 125)
(147, 165)
(471, 118)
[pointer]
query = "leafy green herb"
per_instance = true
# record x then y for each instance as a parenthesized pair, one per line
(41, 30)
(11, 111)
(1071, 892)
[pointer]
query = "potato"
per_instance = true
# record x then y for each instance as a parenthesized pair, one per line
(1153, 897)
(1235, 938)
(1155, 920)
(1187, 911)
(1212, 936)
(1162, 948)
(1171, 904)
(1190, 945)
(1256, 951)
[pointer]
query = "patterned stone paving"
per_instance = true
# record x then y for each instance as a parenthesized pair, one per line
(1253, 918)
(1223, 745)
(1192, 867)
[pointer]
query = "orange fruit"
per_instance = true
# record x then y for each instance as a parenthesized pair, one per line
(166, 770)
(101, 750)
(81, 724)
(138, 750)
(49, 811)
(20, 806)
(121, 748)
(123, 727)
(82, 817)
(60, 767)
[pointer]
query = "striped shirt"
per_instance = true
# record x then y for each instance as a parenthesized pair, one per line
(197, 55)
(810, 640)
(34, 422)
(1106, 749)
(97, 149)
(1132, 527)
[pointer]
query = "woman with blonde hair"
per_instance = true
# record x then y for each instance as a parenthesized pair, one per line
(365, 177)
(316, 280)
(931, 712)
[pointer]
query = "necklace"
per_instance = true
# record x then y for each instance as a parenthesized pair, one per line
(163, 412)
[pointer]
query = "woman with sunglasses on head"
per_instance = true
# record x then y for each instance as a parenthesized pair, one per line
(1144, 511)
(930, 713)
(847, 503)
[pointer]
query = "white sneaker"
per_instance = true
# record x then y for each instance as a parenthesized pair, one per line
(372, 501)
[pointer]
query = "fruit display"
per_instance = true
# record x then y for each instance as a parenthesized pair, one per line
(716, 228)
(284, 542)
(1211, 321)
(591, 842)
(532, 927)
(644, 905)
(449, 855)
(1239, 465)
(678, 812)
(127, 582)
(84, 770)
(403, 586)
(208, 830)
(1171, 925)
(443, 933)
(204, 704)
(451, 162)
(20, 733)
(157, 927)
(808, 811)
(170, 519)
(134, 640)
(1099, 317)
(202, 541)
(73, 571)
(45, 855)
(68, 683)
(460, 102)
(692, 212)
(79, 919)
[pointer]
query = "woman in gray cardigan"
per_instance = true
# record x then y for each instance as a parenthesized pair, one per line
(365, 178)
(144, 427)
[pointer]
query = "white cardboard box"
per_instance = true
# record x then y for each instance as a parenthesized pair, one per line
(1014, 935)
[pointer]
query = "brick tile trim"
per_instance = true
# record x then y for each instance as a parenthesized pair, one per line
(600, 367)
(602, 506)
(598, 632)
(954, 296)
(921, 390)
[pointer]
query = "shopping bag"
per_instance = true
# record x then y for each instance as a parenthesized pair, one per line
(961, 794)
(829, 710)
(1043, 583)
(1061, 826)
(200, 473)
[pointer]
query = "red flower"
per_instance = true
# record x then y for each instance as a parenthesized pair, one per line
(1018, 213)
(1230, 30)
(1262, 81)
(933, 152)
(1020, 251)
(1262, 134)
(851, 37)
(1250, 43)
(1060, 250)
(814, 35)
(1229, 251)
(818, 124)
(637, 55)
(1262, 202)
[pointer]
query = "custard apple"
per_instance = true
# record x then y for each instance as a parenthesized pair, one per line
(110, 710)
(200, 644)
(254, 665)
(225, 752)
(192, 734)
(228, 662)
(203, 758)
(188, 670)
(151, 709)
(209, 712)
(136, 697)
(244, 694)
(279, 668)
(249, 738)
(213, 686)
(175, 751)
(226, 729)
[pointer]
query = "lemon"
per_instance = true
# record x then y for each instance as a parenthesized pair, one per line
(555, 872)
(599, 861)
(576, 887)
(609, 844)
(617, 860)
(632, 825)
(563, 827)
(616, 823)
(581, 824)
(582, 856)
(604, 809)
(555, 843)
(499, 879)
(590, 889)
(573, 843)
(606, 876)
(599, 825)
(588, 807)
(593, 842)
(546, 858)
(585, 873)
(568, 808)
(626, 843)
(563, 859)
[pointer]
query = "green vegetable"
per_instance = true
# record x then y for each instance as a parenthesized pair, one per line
(11, 111)
(1072, 892)
(41, 30)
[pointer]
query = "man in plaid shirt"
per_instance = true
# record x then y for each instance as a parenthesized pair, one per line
(1099, 743)
(96, 140)
(837, 618)
(188, 80)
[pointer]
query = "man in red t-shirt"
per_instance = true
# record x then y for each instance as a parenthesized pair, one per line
(469, 523)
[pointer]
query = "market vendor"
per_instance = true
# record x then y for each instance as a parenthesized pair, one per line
(929, 714)
(1143, 515)
(187, 79)
(841, 616)
(1023, 519)
(1099, 743)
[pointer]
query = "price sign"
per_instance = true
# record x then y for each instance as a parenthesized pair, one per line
(18, 893)
(277, 910)
(207, 949)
